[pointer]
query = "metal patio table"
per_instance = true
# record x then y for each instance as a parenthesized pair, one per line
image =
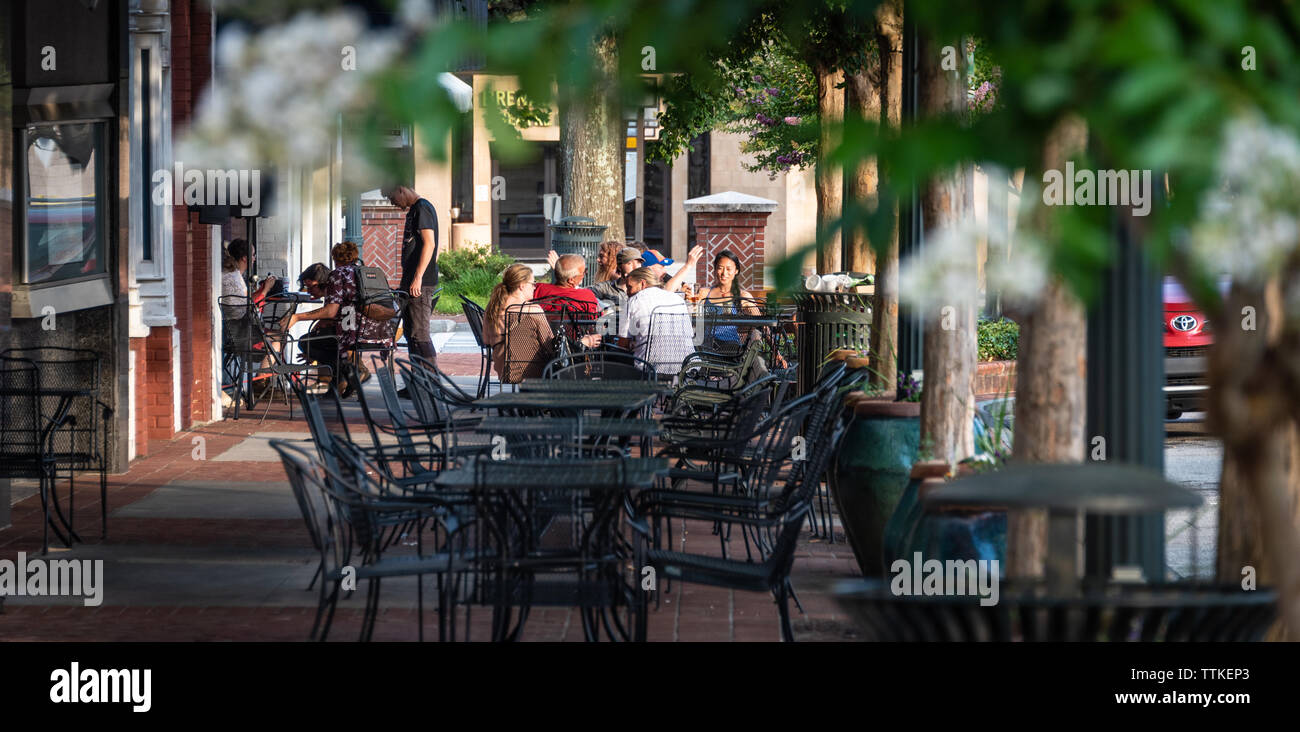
(569, 401)
(592, 427)
(1066, 491)
(65, 395)
(1063, 607)
(616, 386)
(600, 430)
(593, 566)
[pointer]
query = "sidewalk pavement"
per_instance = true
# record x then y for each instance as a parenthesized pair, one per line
(205, 542)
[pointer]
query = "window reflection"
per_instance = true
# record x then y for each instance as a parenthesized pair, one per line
(65, 170)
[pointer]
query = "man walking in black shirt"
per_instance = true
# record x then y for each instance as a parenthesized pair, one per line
(419, 267)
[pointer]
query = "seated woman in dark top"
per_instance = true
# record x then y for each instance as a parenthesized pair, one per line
(340, 294)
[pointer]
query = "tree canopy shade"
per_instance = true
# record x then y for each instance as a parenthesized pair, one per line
(1159, 85)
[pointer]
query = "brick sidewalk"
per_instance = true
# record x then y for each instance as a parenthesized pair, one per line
(212, 550)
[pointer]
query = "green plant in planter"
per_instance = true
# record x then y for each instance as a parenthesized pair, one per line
(909, 390)
(998, 340)
(993, 442)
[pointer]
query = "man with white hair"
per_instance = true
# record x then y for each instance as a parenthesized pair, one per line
(569, 269)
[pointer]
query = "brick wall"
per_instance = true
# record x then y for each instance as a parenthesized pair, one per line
(140, 397)
(158, 413)
(742, 233)
(191, 72)
(381, 239)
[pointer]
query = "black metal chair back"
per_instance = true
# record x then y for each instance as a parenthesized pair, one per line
(320, 505)
(474, 315)
(386, 347)
(599, 365)
(669, 339)
(23, 445)
(81, 441)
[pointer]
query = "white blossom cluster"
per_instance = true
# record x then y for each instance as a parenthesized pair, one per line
(944, 272)
(1250, 224)
(277, 94)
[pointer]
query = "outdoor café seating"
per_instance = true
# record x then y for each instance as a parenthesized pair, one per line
(558, 492)
(54, 423)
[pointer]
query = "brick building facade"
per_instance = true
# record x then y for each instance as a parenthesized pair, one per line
(172, 366)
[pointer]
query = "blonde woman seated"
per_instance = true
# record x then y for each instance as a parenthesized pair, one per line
(512, 323)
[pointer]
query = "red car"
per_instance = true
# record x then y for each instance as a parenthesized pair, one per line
(1187, 339)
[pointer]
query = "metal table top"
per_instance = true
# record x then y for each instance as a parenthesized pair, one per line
(494, 475)
(596, 426)
(621, 386)
(568, 400)
(1094, 488)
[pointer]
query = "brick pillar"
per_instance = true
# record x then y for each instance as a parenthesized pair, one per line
(381, 234)
(138, 347)
(736, 222)
(191, 60)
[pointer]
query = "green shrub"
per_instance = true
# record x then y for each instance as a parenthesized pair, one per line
(999, 340)
(457, 263)
(469, 272)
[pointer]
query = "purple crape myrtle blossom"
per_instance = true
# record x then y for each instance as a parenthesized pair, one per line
(758, 79)
(764, 119)
(773, 91)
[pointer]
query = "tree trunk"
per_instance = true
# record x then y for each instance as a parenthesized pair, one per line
(1051, 379)
(1253, 401)
(591, 148)
(863, 98)
(948, 396)
(884, 303)
(829, 178)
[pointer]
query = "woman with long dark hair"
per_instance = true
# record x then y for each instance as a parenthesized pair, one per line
(607, 261)
(727, 296)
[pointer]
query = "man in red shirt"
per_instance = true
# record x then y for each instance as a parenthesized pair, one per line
(567, 292)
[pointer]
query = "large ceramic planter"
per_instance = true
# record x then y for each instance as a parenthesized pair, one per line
(960, 534)
(871, 472)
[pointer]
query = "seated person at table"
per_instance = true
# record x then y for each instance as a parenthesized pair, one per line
(340, 293)
(655, 261)
(512, 322)
(321, 344)
(567, 271)
(727, 298)
(607, 261)
(615, 290)
(656, 324)
(234, 270)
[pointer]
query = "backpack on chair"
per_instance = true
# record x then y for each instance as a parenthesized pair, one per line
(374, 296)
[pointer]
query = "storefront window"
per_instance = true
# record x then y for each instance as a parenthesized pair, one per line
(65, 202)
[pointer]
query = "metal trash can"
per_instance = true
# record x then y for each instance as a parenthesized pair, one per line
(579, 235)
(829, 321)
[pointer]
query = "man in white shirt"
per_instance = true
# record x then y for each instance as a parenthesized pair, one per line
(656, 324)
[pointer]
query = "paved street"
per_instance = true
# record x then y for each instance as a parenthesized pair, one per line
(1192, 459)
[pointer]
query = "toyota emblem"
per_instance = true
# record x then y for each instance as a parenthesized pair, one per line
(1183, 323)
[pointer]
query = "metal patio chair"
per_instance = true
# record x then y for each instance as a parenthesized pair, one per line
(350, 518)
(474, 315)
(80, 441)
